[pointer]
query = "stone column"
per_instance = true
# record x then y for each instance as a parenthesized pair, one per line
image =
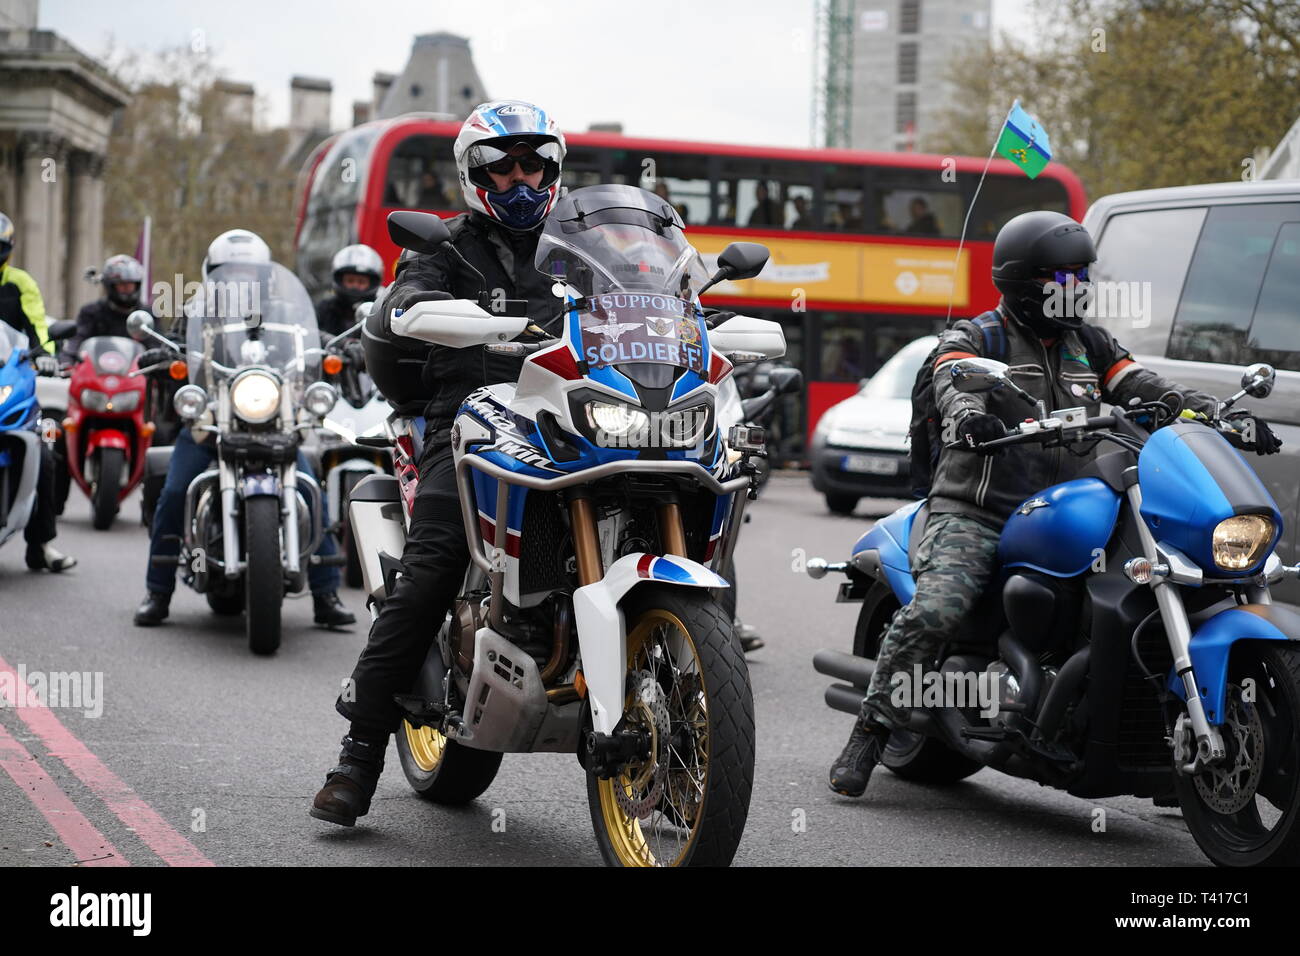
(39, 222)
(85, 227)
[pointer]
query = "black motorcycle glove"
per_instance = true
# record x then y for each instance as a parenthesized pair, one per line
(713, 318)
(975, 428)
(154, 356)
(1255, 433)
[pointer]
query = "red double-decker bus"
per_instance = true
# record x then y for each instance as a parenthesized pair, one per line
(863, 245)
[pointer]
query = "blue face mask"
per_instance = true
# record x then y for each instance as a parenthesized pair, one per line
(520, 207)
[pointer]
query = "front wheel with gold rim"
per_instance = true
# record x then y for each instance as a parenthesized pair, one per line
(685, 800)
(442, 770)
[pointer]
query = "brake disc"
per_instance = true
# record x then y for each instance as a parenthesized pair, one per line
(1227, 789)
(639, 788)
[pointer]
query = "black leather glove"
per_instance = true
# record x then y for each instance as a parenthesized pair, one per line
(154, 356)
(1255, 433)
(354, 354)
(973, 428)
(715, 318)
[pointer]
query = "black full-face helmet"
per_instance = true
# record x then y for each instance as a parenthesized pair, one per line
(1040, 259)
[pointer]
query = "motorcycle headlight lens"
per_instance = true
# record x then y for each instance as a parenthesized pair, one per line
(616, 421)
(125, 402)
(93, 400)
(1239, 541)
(255, 396)
(5, 392)
(189, 402)
(319, 399)
(682, 429)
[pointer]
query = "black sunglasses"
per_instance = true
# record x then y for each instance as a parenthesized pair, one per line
(530, 163)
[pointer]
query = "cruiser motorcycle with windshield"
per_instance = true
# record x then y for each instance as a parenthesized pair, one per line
(252, 522)
(600, 503)
(1129, 643)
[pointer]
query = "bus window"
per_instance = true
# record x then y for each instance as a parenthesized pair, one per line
(422, 175)
(799, 207)
(681, 178)
(331, 206)
(842, 198)
(583, 166)
(1004, 197)
(908, 203)
(761, 195)
(843, 347)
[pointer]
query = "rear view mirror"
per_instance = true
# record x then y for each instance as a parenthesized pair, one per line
(1258, 380)
(139, 324)
(743, 260)
(785, 380)
(978, 375)
(418, 231)
(60, 330)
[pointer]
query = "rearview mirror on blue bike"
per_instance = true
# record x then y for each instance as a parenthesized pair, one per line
(418, 231)
(1258, 380)
(740, 260)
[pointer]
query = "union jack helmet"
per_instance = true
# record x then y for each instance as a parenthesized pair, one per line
(487, 137)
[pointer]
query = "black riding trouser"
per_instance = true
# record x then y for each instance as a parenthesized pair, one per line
(434, 563)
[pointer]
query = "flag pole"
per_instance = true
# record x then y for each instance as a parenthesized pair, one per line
(956, 267)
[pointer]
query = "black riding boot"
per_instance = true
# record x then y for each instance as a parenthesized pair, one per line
(349, 786)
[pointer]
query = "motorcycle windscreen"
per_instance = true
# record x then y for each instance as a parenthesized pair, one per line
(111, 354)
(11, 340)
(253, 314)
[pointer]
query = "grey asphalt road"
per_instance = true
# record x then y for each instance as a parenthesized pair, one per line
(228, 749)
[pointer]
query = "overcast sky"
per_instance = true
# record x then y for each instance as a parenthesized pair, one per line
(729, 70)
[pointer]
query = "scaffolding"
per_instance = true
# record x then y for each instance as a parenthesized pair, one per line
(832, 119)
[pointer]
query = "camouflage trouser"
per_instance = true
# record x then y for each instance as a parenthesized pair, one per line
(953, 564)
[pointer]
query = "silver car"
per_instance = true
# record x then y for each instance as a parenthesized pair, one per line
(1199, 282)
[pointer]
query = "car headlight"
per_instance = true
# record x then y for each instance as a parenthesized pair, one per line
(123, 402)
(255, 397)
(1239, 542)
(190, 401)
(616, 423)
(682, 429)
(320, 398)
(93, 400)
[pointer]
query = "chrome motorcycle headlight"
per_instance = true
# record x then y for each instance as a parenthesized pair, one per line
(1239, 542)
(683, 428)
(124, 402)
(190, 402)
(320, 398)
(255, 397)
(616, 422)
(93, 400)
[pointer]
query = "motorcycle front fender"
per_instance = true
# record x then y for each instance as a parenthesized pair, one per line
(107, 438)
(602, 626)
(1211, 647)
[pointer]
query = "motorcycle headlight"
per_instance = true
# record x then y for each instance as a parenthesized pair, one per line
(1239, 541)
(683, 429)
(5, 392)
(615, 422)
(190, 402)
(123, 402)
(93, 400)
(255, 397)
(320, 398)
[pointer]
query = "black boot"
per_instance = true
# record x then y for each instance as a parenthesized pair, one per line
(153, 609)
(330, 611)
(349, 786)
(852, 769)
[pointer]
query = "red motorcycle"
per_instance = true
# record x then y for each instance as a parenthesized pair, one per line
(105, 431)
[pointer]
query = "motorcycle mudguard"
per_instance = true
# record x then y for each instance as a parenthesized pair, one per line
(106, 438)
(888, 539)
(25, 497)
(1212, 644)
(602, 628)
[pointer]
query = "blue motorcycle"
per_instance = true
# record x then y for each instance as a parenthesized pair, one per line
(20, 442)
(1129, 643)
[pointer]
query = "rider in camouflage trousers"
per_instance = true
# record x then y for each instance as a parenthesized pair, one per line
(1053, 357)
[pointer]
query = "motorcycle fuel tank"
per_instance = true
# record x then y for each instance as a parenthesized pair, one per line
(1061, 530)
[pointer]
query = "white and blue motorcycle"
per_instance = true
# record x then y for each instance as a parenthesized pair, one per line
(600, 502)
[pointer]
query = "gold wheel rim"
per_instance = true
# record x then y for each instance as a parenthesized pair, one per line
(627, 838)
(426, 745)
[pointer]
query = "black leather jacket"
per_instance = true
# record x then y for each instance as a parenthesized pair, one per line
(98, 318)
(505, 258)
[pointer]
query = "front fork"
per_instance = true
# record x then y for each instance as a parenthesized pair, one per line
(1209, 742)
(229, 485)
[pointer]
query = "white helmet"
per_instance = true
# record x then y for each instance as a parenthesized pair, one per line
(235, 245)
(486, 137)
(361, 260)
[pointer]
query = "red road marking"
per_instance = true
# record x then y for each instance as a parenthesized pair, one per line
(126, 804)
(88, 845)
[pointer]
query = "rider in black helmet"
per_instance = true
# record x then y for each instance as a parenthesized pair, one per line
(1040, 265)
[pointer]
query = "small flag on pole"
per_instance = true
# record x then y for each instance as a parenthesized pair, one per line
(1024, 141)
(144, 254)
